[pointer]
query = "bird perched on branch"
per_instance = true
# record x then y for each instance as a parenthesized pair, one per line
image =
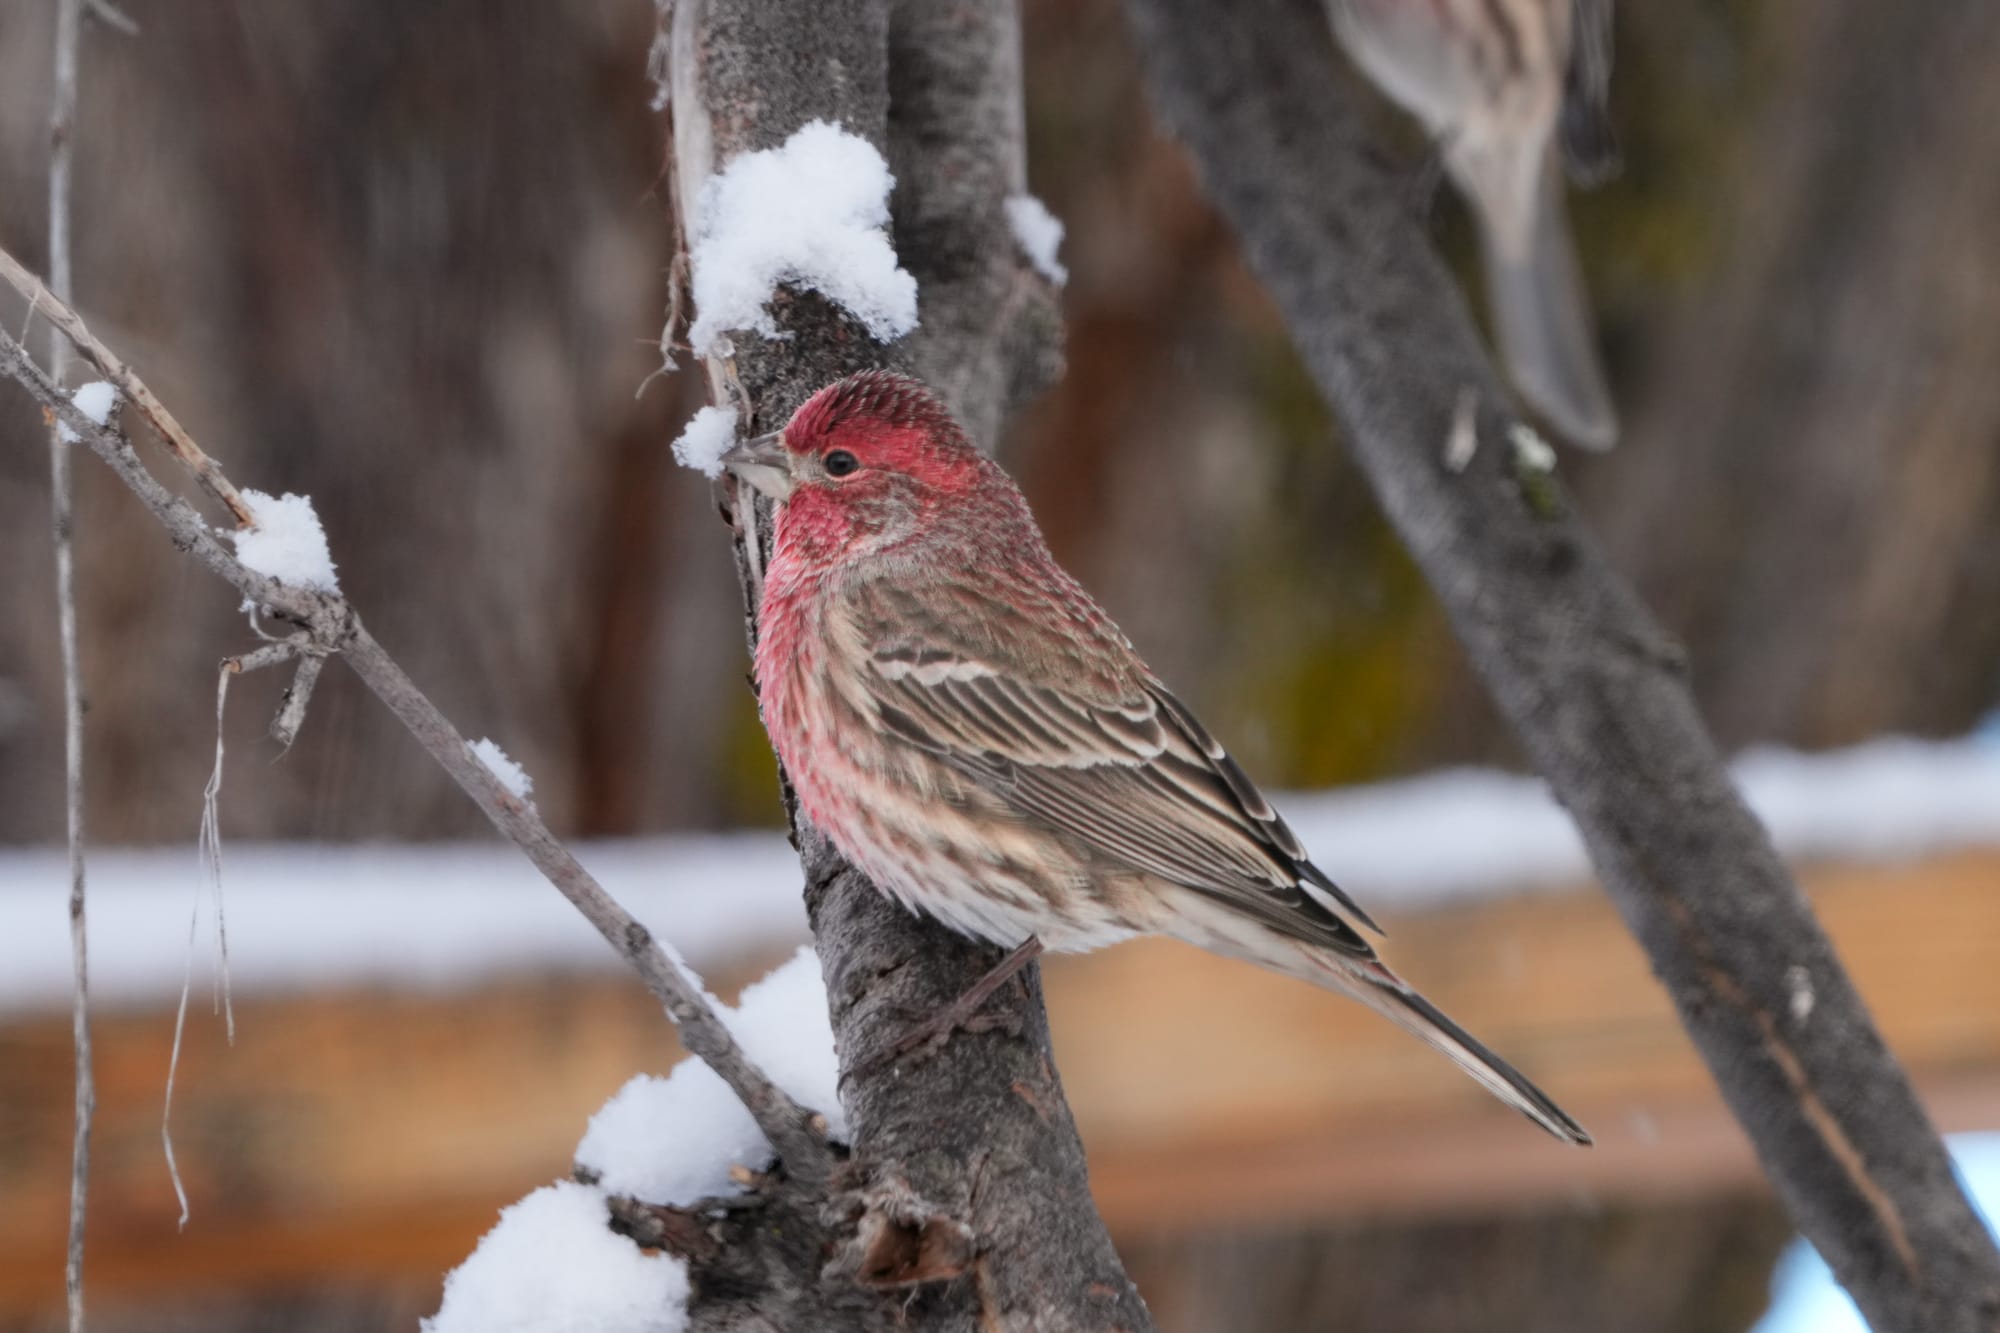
(977, 737)
(1496, 82)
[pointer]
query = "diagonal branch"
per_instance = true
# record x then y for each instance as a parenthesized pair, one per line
(179, 443)
(1593, 687)
(334, 627)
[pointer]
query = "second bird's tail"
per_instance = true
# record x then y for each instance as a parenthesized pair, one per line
(1541, 316)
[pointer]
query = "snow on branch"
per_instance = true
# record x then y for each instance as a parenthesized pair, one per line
(1039, 233)
(814, 213)
(709, 432)
(287, 543)
(682, 1141)
(552, 1262)
(673, 1140)
(95, 400)
(503, 766)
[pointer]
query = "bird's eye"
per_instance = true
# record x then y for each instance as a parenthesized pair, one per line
(839, 463)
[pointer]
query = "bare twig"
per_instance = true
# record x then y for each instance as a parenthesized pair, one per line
(209, 854)
(682, 1232)
(332, 625)
(285, 726)
(62, 497)
(204, 469)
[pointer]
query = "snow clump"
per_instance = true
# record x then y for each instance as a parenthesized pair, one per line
(287, 542)
(1039, 233)
(708, 435)
(813, 212)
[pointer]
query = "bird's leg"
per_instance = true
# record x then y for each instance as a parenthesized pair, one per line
(962, 1012)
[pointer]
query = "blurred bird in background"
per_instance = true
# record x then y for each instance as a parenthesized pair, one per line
(1496, 82)
(977, 736)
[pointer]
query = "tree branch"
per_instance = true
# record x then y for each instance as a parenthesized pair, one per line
(1590, 683)
(333, 626)
(130, 388)
(62, 506)
(966, 1204)
(989, 330)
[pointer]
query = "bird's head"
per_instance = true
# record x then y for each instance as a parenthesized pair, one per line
(873, 460)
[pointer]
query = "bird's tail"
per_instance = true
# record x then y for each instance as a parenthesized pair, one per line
(1388, 994)
(1541, 315)
(1350, 967)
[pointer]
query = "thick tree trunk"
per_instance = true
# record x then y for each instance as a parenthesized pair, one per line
(965, 1204)
(1596, 693)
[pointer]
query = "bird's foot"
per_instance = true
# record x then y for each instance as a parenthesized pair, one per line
(962, 1014)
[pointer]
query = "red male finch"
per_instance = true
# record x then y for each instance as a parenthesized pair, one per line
(1493, 81)
(977, 737)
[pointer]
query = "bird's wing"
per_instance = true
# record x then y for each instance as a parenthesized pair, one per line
(1053, 717)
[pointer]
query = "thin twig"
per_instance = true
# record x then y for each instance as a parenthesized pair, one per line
(285, 726)
(208, 853)
(333, 626)
(62, 126)
(204, 469)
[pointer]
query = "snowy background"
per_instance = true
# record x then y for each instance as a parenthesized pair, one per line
(304, 916)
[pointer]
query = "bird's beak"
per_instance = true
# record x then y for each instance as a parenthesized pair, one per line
(763, 463)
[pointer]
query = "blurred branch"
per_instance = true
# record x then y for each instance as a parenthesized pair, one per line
(112, 17)
(62, 506)
(331, 625)
(989, 327)
(1590, 683)
(966, 1203)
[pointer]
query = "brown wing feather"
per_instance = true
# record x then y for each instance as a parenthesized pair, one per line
(1069, 731)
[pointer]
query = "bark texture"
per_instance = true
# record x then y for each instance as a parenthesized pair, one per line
(1594, 689)
(965, 1204)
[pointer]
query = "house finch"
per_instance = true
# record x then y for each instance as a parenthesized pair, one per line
(976, 736)
(1494, 81)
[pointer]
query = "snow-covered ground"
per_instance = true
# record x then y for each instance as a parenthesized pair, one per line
(310, 915)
